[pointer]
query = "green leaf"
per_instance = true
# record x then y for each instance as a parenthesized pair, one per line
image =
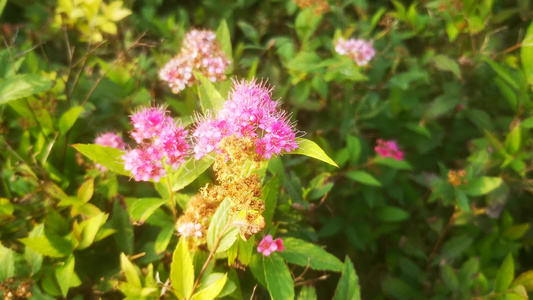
(182, 270)
(66, 277)
(69, 118)
(526, 53)
(106, 156)
(442, 105)
(480, 118)
(2, 6)
(212, 290)
(188, 172)
(6, 208)
(525, 279)
(269, 193)
(132, 277)
(304, 253)
(516, 231)
(392, 214)
(528, 123)
(502, 72)
(505, 275)
(449, 277)
(34, 259)
(482, 185)
(305, 62)
(7, 263)
(163, 239)
(86, 190)
(219, 222)
(512, 141)
(444, 63)
(143, 208)
(224, 38)
(20, 86)
(257, 268)
(49, 245)
(455, 246)
(278, 278)
(348, 287)
(393, 163)
(363, 177)
(462, 200)
(307, 293)
(90, 228)
(210, 98)
(397, 288)
(120, 221)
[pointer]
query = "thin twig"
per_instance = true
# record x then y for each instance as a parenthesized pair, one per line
(441, 237)
(211, 255)
(110, 68)
(301, 276)
(253, 292)
(172, 204)
(323, 277)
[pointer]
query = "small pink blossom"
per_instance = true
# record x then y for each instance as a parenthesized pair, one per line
(267, 245)
(159, 138)
(144, 164)
(388, 149)
(149, 122)
(249, 112)
(200, 53)
(357, 49)
(109, 139)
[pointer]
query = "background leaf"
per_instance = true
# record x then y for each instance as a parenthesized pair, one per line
(363, 177)
(20, 86)
(348, 287)
(106, 156)
(303, 253)
(278, 278)
(505, 275)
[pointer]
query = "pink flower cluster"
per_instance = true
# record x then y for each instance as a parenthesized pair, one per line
(267, 245)
(357, 49)
(388, 149)
(202, 53)
(158, 137)
(249, 112)
(109, 139)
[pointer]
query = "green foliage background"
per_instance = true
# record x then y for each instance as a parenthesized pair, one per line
(451, 83)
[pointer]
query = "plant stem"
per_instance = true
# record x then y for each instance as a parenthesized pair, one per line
(171, 198)
(211, 255)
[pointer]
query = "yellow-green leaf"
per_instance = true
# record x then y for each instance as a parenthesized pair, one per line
(211, 291)
(311, 149)
(182, 270)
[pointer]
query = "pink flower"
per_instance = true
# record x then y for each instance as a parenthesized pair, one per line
(267, 245)
(149, 122)
(109, 139)
(144, 164)
(388, 149)
(249, 112)
(158, 137)
(357, 49)
(202, 53)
